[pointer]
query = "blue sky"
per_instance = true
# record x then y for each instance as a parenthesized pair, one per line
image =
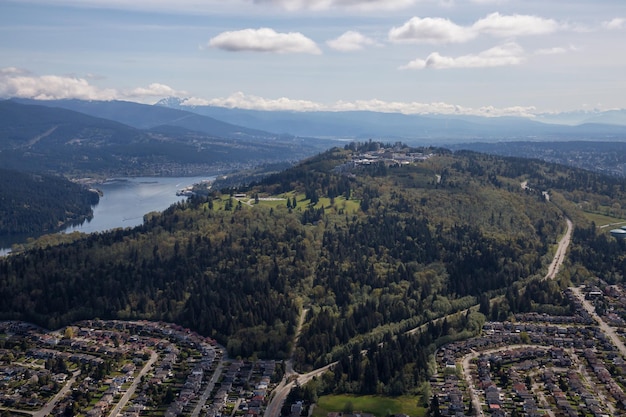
(488, 57)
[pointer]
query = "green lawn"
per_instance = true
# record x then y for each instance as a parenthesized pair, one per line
(340, 203)
(377, 405)
(602, 220)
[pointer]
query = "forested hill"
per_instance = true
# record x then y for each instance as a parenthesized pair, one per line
(372, 242)
(55, 140)
(35, 203)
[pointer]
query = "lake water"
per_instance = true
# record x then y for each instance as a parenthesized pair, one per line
(124, 203)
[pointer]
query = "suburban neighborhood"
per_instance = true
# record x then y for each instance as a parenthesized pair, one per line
(117, 368)
(540, 365)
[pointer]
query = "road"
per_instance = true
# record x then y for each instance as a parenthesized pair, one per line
(561, 250)
(279, 394)
(468, 376)
(282, 390)
(478, 410)
(131, 390)
(553, 270)
(47, 409)
(608, 330)
(209, 388)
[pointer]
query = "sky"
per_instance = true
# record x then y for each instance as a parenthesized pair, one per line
(481, 57)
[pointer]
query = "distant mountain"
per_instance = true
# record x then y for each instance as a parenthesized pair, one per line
(49, 139)
(142, 116)
(415, 129)
(612, 117)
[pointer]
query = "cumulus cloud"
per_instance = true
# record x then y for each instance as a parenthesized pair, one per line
(502, 55)
(614, 24)
(242, 101)
(156, 90)
(251, 102)
(264, 40)
(431, 30)
(438, 30)
(351, 41)
(19, 83)
(16, 82)
(514, 25)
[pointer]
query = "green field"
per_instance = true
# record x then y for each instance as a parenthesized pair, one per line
(340, 203)
(377, 405)
(604, 220)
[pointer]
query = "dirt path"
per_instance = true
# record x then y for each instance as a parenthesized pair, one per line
(279, 394)
(561, 250)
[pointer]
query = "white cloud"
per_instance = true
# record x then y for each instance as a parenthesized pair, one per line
(19, 83)
(16, 82)
(503, 55)
(241, 101)
(156, 90)
(251, 102)
(431, 30)
(359, 5)
(437, 30)
(351, 41)
(614, 24)
(264, 40)
(514, 25)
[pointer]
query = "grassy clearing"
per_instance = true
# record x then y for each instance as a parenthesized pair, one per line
(377, 405)
(604, 220)
(340, 204)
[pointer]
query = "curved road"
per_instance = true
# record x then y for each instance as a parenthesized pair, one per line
(553, 269)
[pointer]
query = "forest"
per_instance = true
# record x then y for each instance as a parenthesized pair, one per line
(37, 203)
(370, 254)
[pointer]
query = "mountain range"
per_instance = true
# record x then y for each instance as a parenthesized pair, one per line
(254, 125)
(120, 138)
(104, 138)
(420, 129)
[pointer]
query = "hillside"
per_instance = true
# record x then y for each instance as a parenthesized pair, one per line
(141, 116)
(599, 156)
(369, 249)
(49, 139)
(35, 203)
